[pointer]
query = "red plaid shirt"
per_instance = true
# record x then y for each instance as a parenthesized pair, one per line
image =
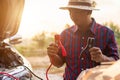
(74, 41)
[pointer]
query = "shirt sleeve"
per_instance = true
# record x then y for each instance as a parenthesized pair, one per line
(112, 48)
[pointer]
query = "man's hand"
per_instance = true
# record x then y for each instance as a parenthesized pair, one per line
(96, 54)
(52, 49)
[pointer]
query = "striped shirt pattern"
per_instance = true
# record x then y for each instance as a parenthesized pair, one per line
(75, 41)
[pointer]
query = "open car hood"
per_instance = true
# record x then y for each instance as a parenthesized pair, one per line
(10, 17)
(105, 71)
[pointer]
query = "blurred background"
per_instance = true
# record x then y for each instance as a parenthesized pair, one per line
(42, 19)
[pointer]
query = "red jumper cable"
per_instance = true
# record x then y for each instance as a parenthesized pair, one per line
(9, 75)
(57, 41)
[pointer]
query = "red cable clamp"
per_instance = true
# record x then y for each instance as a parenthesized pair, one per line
(57, 40)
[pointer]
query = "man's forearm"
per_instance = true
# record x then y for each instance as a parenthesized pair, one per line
(56, 60)
(105, 59)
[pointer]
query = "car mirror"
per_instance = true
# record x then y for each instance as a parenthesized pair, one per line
(15, 39)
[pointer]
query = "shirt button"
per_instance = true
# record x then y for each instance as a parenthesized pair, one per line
(82, 69)
(81, 47)
(83, 38)
(90, 46)
(82, 58)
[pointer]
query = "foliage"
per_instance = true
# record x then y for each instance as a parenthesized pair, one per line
(37, 46)
(40, 39)
(26, 49)
(67, 26)
(115, 28)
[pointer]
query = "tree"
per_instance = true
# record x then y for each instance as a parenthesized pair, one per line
(40, 39)
(115, 28)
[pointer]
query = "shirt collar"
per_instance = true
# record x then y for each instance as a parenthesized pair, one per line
(92, 29)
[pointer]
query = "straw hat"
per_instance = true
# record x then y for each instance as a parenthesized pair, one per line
(80, 4)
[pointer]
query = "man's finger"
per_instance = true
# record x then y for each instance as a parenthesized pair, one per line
(93, 49)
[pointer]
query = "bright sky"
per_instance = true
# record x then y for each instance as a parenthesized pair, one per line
(45, 15)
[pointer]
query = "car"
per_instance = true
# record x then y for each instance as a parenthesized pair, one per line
(13, 65)
(105, 71)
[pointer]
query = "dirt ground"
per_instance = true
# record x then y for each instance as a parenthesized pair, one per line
(41, 64)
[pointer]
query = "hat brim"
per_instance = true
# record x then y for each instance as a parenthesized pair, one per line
(78, 7)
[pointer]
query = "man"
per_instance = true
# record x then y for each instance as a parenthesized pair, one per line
(74, 40)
